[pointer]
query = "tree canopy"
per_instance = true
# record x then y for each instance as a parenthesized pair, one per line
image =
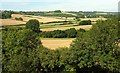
(33, 24)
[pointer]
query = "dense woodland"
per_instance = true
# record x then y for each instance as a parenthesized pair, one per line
(93, 51)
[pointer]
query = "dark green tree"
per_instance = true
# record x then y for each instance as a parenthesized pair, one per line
(33, 25)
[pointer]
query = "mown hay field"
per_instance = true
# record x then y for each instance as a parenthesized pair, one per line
(5, 22)
(26, 18)
(54, 43)
(39, 18)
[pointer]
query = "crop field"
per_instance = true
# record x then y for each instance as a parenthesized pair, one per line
(39, 18)
(54, 43)
(42, 19)
(5, 22)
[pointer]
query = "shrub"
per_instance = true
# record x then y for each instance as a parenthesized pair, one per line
(19, 19)
(81, 30)
(85, 22)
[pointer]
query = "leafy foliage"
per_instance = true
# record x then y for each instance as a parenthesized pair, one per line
(57, 11)
(69, 33)
(33, 24)
(94, 51)
(18, 49)
(85, 22)
(96, 48)
(5, 14)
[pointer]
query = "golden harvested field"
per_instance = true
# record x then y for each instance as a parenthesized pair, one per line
(26, 18)
(10, 22)
(39, 18)
(64, 28)
(54, 43)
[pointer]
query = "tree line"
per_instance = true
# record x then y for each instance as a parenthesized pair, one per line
(69, 33)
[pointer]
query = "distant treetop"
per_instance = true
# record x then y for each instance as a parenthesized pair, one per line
(58, 11)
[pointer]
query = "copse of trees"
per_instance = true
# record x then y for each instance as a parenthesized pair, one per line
(5, 14)
(85, 22)
(33, 24)
(69, 33)
(53, 34)
(58, 34)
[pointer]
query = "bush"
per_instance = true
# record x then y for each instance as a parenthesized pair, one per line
(81, 30)
(19, 19)
(85, 22)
